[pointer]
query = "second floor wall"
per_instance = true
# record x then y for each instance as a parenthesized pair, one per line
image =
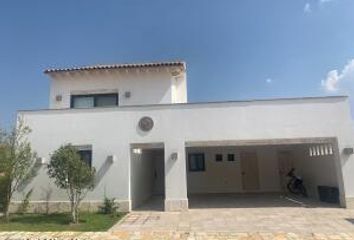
(136, 86)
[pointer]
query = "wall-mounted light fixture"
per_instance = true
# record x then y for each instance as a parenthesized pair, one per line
(58, 98)
(127, 94)
(348, 150)
(41, 161)
(137, 151)
(112, 159)
(174, 156)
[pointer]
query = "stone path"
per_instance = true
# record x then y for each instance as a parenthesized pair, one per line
(160, 235)
(256, 223)
(56, 236)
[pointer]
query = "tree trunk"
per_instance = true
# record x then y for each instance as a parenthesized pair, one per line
(7, 204)
(73, 211)
(77, 213)
(6, 212)
(77, 203)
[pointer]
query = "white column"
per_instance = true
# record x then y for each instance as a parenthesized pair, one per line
(175, 177)
(345, 169)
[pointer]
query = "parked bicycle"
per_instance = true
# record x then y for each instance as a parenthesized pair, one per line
(296, 184)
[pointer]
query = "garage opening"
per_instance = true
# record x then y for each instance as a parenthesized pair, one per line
(256, 175)
(147, 177)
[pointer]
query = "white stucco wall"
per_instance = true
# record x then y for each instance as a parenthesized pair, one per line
(179, 88)
(111, 131)
(145, 88)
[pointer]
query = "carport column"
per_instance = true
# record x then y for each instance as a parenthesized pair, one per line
(338, 157)
(345, 169)
(175, 177)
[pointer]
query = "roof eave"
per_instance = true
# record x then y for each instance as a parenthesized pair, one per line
(116, 66)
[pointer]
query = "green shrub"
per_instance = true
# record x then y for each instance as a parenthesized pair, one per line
(109, 206)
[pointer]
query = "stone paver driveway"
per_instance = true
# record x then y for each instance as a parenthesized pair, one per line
(269, 217)
(274, 218)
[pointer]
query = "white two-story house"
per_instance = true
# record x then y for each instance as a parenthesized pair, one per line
(133, 123)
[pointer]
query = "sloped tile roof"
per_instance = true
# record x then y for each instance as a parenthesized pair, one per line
(116, 66)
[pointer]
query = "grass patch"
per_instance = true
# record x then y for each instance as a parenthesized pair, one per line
(89, 222)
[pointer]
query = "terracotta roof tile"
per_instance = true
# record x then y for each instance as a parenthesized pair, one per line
(116, 66)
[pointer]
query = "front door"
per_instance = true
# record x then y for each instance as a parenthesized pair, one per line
(249, 170)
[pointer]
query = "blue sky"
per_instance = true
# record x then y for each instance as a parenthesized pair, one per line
(234, 50)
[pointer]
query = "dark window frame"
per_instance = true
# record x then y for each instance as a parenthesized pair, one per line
(94, 96)
(231, 157)
(198, 168)
(218, 157)
(85, 151)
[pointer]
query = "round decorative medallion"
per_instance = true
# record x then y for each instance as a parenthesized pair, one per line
(146, 124)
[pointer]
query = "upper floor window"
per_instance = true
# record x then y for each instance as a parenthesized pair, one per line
(94, 100)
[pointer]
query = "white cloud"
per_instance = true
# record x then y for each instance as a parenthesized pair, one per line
(269, 80)
(307, 8)
(324, 1)
(331, 81)
(336, 81)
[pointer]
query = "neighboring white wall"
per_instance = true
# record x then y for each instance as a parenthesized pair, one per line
(112, 130)
(145, 88)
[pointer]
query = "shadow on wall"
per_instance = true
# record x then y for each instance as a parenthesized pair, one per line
(103, 169)
(38, 165)
(172, 158)
(32, 174)
(46, 196)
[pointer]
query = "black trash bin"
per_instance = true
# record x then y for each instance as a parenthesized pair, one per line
(328, 194)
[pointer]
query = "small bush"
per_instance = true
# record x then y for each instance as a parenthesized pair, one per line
(23, 208)
(109, 206)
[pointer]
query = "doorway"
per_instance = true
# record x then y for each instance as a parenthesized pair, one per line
(147, 178)
(249, 171)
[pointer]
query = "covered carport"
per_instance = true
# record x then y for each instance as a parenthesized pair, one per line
(253, 173)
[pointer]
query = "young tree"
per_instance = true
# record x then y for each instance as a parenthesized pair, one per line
(72, 174)
(17, 160)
